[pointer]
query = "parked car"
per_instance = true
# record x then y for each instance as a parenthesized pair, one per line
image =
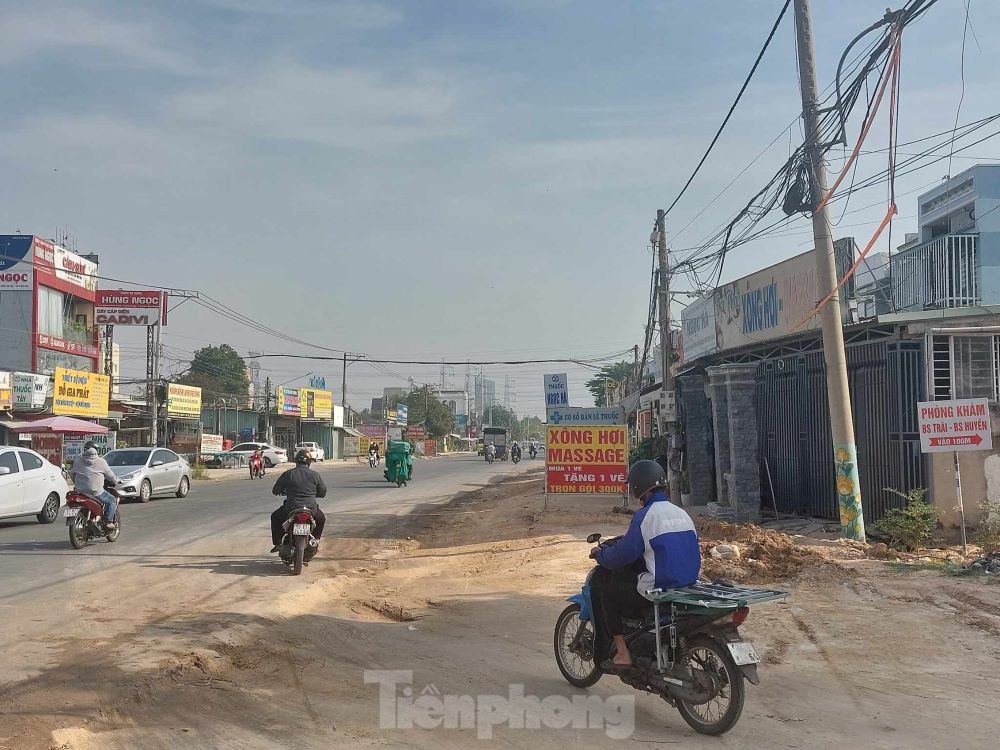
(272, 454)
(30, 485)
(145, 473)
(315, 449)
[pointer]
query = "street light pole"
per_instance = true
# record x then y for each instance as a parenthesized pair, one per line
(355, 357)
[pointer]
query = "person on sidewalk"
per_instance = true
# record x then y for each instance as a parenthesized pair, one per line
(90, 472)
(659, 550)
(302, 487)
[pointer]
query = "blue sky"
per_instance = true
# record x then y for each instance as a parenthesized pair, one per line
(435, 179)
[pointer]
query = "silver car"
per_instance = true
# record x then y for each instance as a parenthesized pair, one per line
(147, 472)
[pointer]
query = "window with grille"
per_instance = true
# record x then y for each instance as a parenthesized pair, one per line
(965, 367)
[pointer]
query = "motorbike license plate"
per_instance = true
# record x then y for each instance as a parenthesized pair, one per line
(70, 512)
(743, 652)
(301, 529)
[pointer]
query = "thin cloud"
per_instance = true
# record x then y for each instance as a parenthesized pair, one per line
(353, 13)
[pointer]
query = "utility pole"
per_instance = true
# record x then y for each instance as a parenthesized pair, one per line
(668, 413)
(343, 383)
(838, 394)
(267, 409)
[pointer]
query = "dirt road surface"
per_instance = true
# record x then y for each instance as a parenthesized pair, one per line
(205, 643)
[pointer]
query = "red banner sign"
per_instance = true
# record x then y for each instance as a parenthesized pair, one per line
(586, 459)
(70, 347)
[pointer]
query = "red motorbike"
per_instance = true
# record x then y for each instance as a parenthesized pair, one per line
(256, 467)
(298, 546)
(85, 519)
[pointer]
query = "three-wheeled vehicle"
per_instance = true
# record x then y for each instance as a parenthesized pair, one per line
(398, 462)
(499, 436)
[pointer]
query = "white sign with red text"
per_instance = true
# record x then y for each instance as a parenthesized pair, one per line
(75, 269)
(956, 425)
(127, 307)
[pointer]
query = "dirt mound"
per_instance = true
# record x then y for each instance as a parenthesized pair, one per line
(764, 555)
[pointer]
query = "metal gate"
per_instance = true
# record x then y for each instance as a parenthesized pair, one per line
(886, 381)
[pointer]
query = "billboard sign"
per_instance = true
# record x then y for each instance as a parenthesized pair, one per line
(372, 430)
(315, 403)
(73, 447)
(211, 443)
(586, 459)
(80, 394)
(6, 390)
(556, 390)
(769, 304)
(17, 271)
(30, 390)
(401, 413)
(183, 401)
(125, 307)
(417, 432)
(577, 415)
(288, 402)
(75, 269)
(956, 425)
(698, 329)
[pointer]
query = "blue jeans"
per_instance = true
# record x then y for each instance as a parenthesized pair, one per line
(110, 503)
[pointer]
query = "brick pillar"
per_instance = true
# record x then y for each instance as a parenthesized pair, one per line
(720, 423)
(744, 461)
(698, 441)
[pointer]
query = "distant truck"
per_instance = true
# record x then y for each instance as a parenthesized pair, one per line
(499, 436)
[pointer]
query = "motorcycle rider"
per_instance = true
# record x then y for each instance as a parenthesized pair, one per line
(491, 450)
(257, 458)
(373, 451)
(515, 450)
(659, 550)
(302, 487)
(90, 472)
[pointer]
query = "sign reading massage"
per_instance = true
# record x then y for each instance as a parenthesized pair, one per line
(183, 401)
(586, 459)
(80, 394)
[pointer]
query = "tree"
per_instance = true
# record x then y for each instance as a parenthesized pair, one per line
(219, 371)
(610, 380)
(423, 407)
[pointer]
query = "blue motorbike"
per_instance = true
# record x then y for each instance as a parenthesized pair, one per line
(686, 647)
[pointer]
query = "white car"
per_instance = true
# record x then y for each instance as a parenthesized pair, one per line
(315, 449)
(272, 454)
(30, 485)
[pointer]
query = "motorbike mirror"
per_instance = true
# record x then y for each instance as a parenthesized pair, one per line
(593, 538)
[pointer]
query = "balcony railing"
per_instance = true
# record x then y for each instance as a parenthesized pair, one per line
(937, 274)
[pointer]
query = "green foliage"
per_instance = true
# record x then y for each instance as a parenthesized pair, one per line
(218, 370)
(648, 449)
(609, 382)
(199, 470)
(423, 407)
(987, 533)
(911, 527)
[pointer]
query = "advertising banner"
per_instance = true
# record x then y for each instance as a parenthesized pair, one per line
(30, 390)
(698, 329)
(183, 401)
(79, 348)
(289, 402)
(75, 269)
(401, 414)
(955, 425)
(587, 459)
(556, 390)
(430, 447)
(372, 430)
(211, 443)
(125, 307)
(574, 415)
(80, 394)
(16, 269)
(49, 446)
(73, 447)
(6, 391)
(315, 403)
(417, 432)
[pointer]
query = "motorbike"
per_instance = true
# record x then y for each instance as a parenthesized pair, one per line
(490, 458)
(256, 468)
(686, 647)
(532, 452)
(85, 519)
(374, 460)
(298, 545)
(515, 456)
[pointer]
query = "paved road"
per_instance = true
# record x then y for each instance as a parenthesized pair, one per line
(34, 557)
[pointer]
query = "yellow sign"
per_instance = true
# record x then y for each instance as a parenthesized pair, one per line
(315, 404)
(6, 391)
(80, 394)
(183, 401)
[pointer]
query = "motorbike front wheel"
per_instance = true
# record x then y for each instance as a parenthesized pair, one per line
(113, 534)
(575, 661)
(300, 552)
(78, 535)
(720, 714)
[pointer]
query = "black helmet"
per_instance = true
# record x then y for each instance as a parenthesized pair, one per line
(302, 456)
(644, 476)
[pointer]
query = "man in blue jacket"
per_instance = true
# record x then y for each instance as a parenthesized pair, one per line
(662, 539)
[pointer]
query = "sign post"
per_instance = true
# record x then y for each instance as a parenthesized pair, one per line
(956, 425)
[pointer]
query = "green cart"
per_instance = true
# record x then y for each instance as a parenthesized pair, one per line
(398, 462)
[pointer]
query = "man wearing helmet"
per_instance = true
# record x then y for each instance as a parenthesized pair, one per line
(659, 550)
(302, 487)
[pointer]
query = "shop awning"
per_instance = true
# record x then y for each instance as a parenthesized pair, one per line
(63, 424)
(13, 424)
(351, 431)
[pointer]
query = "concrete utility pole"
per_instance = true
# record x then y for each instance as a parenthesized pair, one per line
(267, 409)
(838, 395)
(667, 397)
(343, 383)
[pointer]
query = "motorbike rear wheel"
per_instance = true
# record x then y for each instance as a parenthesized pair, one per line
(113, 534)
(300, 551)
(575, 667)
(720, 714)
(78, 535)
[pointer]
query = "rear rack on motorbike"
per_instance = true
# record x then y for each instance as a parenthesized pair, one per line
(715, 596)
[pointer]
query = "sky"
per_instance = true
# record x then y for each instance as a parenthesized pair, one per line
(464, 180)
